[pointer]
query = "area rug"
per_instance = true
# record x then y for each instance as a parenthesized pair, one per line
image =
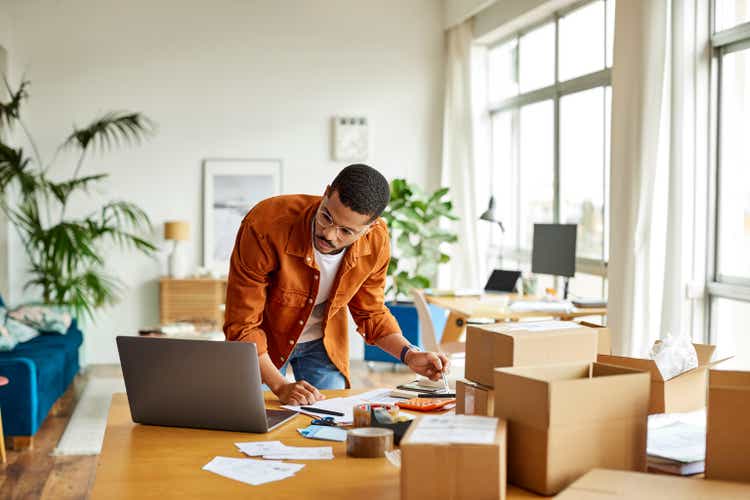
(85, 431)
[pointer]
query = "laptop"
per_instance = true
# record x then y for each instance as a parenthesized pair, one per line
(196, 383)
(502, 281)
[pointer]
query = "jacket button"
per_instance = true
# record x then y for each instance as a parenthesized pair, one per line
(309, 259)
(301, 322)
(309, 301)
(282, 358)
(316, 276)
(291, 342)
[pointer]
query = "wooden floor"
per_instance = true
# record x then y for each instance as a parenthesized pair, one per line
(36, 474)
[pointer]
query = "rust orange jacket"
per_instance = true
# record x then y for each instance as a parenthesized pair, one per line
(273, 282)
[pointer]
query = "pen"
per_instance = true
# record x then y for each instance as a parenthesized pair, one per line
(443, 395)
(321, 410)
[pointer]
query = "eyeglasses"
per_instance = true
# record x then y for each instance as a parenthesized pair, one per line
(342, 232)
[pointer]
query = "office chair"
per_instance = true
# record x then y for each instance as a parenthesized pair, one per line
(456, 351)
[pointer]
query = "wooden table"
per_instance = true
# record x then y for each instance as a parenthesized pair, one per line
(142, 461)
(495, 307)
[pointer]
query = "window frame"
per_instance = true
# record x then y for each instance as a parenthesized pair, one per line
(720, 286)
(555, 92)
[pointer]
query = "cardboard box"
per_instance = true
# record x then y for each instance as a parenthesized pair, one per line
(685, 392)
(433, 466)
(728, 426)
(604, 344)
(566, 419)
(602, 484)
(525, 344)
(474, 399)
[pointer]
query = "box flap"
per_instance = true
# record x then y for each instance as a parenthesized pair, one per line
(578, 400)
(646, 365)
(704, 352)
(729, 379)
(521, 399)
(603, 484)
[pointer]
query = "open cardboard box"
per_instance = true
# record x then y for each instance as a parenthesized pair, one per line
(602, 484)
(728, 426)
(566, 419)
(685, 392)
(525, 344)
(444, 469)
(474, 399)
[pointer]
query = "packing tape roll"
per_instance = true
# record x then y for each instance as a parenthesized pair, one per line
(363, 412)
(368, 442)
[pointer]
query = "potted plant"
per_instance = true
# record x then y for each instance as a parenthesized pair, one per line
(65, 252)
(417, 242)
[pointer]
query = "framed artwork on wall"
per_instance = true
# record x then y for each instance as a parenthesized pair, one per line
(231, 187)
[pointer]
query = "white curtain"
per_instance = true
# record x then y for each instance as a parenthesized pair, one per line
(459, 157)
(654, 171)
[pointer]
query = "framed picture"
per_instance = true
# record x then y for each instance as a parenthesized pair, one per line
(230, 189)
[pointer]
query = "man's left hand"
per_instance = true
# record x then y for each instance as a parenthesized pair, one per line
(428, 364)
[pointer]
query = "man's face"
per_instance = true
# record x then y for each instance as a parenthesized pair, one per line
(337, 226)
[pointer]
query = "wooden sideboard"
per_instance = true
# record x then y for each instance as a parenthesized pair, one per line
(195, 300)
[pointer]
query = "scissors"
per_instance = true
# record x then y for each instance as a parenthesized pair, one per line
(324, 421)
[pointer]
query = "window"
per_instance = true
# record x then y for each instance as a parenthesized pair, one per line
(729, 273)
(549, 102)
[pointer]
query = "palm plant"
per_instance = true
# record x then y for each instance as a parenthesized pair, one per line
(66, 256)
(413, 219)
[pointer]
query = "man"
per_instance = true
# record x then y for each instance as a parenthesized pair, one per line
(297, 262)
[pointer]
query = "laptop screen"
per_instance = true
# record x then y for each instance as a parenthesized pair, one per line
(502, 281)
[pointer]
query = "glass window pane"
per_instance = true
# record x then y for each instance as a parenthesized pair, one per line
(734, 172)
(730, 13)
(611, 5)
(582, 45)
(536, 168)
(587, 285)
(729, 320)
(505, 179)
(503, 81)
(582, 163)
(537, 58)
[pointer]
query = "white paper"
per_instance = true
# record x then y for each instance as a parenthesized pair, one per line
(258, 448)
(344, 405)
(275, 450)
(541, 326)
(251, 471)
(677, 441)
(455, 429)
(541, 306)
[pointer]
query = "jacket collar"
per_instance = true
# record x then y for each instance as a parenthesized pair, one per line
(300, 244)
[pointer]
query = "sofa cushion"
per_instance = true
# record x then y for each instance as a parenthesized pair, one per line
(13, 332)
(43, 318)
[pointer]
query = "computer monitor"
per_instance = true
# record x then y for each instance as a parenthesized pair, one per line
(554, 250)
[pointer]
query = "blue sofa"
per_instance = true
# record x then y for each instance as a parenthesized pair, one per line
(40, 371)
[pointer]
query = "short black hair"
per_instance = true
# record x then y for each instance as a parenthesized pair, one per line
(363, 189)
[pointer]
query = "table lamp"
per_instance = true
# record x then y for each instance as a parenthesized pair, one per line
(179, 232)
(490, 215)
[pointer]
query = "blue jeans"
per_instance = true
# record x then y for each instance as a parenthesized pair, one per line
(311, 363)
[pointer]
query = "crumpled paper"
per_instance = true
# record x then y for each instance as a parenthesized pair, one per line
(674, 355)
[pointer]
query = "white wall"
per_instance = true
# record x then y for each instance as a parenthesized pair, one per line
(5, 69)
(234, 79)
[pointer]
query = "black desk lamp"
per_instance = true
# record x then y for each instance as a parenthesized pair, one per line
(490, 216)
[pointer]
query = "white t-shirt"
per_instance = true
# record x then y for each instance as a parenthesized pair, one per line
(329, 266)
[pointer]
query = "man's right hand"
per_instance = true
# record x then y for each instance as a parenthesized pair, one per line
(298, 393)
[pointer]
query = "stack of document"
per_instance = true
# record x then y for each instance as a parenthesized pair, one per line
(276, 450)
(677, 444)
(551, 307)
(344, 405)
(250, 471)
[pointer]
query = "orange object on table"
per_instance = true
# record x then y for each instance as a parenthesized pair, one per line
(425, 404)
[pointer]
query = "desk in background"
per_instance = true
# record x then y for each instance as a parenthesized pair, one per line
(494, 306)
(142, 461)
